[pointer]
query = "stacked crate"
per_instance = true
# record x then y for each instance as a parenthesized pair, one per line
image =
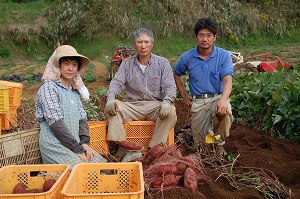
(136, 132)
(10, 100)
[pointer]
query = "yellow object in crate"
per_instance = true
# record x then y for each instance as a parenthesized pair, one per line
(98, 136)
(105, 181)
(15, 92)
(33, 176)
(4, 104)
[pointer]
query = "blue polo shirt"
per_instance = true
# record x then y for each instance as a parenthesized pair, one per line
(205, 76)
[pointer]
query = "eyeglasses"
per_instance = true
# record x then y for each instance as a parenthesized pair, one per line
(208, 36)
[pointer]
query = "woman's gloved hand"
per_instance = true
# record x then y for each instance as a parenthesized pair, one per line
(77, 82)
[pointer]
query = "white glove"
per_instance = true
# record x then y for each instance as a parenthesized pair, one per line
(111, 107)
(84, 93)
(77, 82)
(165, 109)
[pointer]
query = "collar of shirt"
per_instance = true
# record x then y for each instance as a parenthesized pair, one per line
(58, 82)
(148, 63)
(212, 54)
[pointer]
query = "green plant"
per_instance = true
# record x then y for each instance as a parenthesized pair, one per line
(101, 91)
(89, 76)
(64, 21)
(4, 53)
(268, 101)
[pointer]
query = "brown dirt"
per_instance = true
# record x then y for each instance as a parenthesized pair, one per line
(258, 150)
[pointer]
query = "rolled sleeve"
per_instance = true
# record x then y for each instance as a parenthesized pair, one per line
(227, 66)
(117, 84)
(168, 83)
(48, 103)
(180, 67)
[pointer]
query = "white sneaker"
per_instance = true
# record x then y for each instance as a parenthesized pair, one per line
(132, 155)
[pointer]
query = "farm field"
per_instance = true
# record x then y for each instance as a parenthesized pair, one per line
(278, 158)
(258, 165)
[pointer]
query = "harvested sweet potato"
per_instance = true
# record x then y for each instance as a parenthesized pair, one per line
(48, 184)
(154, 153)
(166, 169)
(180, 167)
(20, 188)
(35, 191)
(166, 181)
(188, 160)
(190, 179)
(131, 146)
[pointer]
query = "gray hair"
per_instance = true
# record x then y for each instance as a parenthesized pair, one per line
(142, 31)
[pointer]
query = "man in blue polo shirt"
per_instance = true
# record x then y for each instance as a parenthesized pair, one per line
(210, 71)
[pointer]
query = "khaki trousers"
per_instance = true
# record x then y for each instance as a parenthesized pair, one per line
(141, 111)
(205, 121)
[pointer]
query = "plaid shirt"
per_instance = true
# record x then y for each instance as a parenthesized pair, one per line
(48, 103)
(155, 84)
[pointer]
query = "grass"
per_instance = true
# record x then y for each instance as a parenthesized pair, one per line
(21, 13)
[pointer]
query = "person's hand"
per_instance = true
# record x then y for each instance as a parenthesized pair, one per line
(88, 151)
(188, 100)
(77, 82)
(82, 156)
(111, 107)
(222, 107)
(165, 109)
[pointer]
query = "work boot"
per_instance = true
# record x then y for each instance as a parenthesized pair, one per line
(119, 155)
(132, 156)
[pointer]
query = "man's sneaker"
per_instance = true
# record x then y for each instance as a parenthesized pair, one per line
(131, 156)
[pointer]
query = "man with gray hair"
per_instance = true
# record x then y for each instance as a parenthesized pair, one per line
(150, 93)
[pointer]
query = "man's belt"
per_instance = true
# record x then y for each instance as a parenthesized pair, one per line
(204, 96)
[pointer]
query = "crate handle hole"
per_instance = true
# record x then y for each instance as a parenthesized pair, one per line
(109, 172)
(38, 173)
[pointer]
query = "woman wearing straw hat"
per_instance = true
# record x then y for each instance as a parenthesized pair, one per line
(64, 132)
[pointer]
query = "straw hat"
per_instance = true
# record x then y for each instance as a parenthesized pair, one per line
(69, 51)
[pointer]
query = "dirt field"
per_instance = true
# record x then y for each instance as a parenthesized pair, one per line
(257, 150)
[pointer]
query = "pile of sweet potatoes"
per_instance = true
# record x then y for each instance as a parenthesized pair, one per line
(21, 188)
(165, 167)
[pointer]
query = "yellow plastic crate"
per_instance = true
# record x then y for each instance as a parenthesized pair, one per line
(136, 131)
(9, 120)
(33, 176)
(4, 104)
(105, 181)
(15, 92)
(98, 136)
(20, 148)
(142, 131)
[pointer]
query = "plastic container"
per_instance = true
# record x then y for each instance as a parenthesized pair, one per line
(136, 131)
(20, 148)
(4, 103)
(98, 136)
(33, 176)
(105, 181)
(142, 131)
(15, 92)
(9, 120)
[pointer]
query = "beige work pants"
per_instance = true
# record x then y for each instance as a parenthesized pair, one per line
(205, 121)
(141, 111)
